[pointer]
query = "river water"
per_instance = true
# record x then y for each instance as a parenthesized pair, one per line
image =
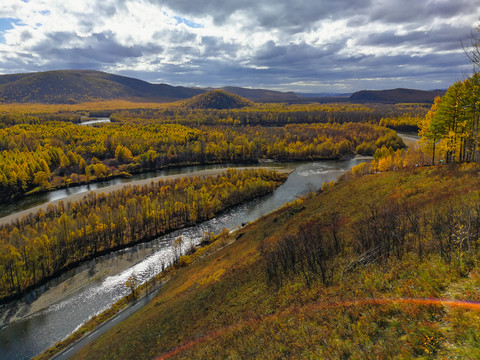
(30, 336)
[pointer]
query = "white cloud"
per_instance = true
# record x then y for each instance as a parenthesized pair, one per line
(293, 45)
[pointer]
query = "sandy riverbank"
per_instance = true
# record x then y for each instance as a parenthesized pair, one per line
(101, 268)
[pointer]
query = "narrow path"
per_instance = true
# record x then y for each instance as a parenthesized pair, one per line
(103, 328)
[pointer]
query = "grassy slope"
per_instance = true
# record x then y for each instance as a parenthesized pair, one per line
(222, 307)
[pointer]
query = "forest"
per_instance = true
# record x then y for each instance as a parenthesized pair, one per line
(36, 157)
(43, 244)
(450, 130)
(275, 114)
(42, 149)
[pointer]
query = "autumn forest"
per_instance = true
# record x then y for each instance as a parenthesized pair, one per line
(46, 147)
(44, 150)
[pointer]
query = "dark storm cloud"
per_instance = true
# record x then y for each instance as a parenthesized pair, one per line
(297, 15)
(416, 11)
(215, 46)
(102, 48)
(295, 55)
(441, 38)
(312, 64)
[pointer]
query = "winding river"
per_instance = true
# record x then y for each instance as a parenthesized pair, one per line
(28, 336)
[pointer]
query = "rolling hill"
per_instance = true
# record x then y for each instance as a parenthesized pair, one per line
(73, 86)
(217, 99)
(395, 96)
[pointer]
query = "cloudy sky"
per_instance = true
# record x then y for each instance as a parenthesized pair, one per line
(297, 45)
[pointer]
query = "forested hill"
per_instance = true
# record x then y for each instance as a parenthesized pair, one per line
(395, 96)
(217, 99)
(73, 86)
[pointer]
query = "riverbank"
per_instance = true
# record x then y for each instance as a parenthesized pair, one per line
(99, 269)
(76, 197)
(144, 293)
(410, 139)
(95, 270)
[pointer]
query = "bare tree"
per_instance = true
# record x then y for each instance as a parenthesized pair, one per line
(472, 50)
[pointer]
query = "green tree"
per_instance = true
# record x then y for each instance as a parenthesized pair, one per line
(431, 130)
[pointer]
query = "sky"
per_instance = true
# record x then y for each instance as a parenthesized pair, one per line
(288, 45)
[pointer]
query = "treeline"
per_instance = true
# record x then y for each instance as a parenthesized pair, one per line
(451, 230)
(271, 114)
(7, 120)
(316, 247)
(406, 123)
(54, 154)
(42, 244)
(387, 159)
(451, 128)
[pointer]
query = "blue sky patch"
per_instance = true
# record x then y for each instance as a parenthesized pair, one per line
(6, 24)
(191, 24)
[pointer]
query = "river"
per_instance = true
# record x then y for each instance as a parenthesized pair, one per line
(29, 336)
(410, 139)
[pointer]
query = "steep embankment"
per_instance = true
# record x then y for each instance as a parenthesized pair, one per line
(353, 272)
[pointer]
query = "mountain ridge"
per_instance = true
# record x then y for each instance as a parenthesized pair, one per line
(75, 86)
(398, 95)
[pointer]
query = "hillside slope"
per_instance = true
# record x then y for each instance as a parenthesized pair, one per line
(73, 86)
(354, 272)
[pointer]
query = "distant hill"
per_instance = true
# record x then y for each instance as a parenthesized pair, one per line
(73, 86)
(217, 99)
(324, 95)
(396, 96)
